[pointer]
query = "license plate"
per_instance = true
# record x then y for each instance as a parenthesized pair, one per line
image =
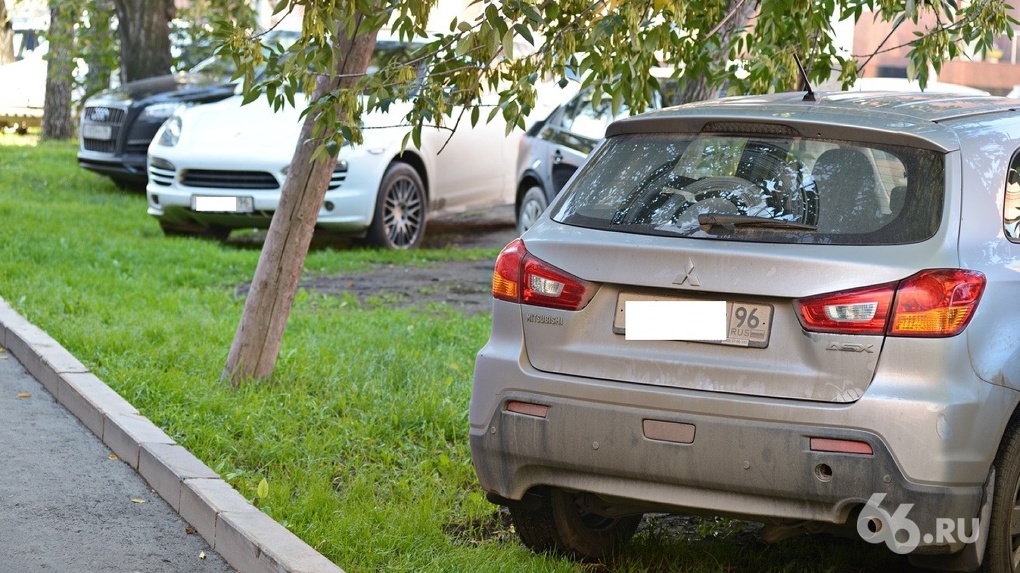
(209, 204)
(104, 132)
(747, 324)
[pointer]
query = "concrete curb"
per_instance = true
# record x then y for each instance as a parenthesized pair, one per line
(249, 540)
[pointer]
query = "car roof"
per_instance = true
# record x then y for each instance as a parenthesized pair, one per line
(921, 119)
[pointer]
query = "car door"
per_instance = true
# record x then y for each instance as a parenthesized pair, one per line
(473, 166)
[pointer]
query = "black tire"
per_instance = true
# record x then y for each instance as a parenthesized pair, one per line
(1002, 554)
(532, 205)
(552, 520)
(215, 233)
(399, 221)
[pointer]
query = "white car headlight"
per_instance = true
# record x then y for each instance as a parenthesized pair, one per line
(161, 110)
(170, 132)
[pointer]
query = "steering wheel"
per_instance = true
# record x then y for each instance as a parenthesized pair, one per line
(718, 195)
(737, 190)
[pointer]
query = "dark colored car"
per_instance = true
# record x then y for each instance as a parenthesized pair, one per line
(553, 149)
(118, 124)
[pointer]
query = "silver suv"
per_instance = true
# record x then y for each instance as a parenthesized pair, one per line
(787, 309)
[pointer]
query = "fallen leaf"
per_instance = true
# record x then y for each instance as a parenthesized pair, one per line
(24, 395)
(113, 456)
(201, 555)
(136, 500)
(189, 530)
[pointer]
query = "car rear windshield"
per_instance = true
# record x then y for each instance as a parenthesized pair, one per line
(758, 188)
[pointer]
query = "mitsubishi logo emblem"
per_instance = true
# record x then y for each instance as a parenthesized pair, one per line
(688, 277)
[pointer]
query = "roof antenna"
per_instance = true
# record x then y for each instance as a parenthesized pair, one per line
(804, 83)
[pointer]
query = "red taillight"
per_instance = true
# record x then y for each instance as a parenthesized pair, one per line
(938, 302)
(522, 278)
(506, 277)
(858, 311)
(932, 303)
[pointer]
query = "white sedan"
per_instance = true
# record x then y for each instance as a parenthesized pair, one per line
(221, 166)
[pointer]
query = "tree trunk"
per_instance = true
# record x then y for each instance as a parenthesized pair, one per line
(257, 342)
(698, 89)
(6, 36)
(144, 38)
(57, 121)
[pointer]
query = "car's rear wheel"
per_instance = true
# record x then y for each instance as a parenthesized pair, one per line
(216, 233)
(399, 221)
(532, 205)
(1002, 554)
(556, 520)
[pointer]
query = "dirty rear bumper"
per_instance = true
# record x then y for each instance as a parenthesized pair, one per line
(744, 468)
(667, 449)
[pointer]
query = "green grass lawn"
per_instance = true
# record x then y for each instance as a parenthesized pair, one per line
(362, 432)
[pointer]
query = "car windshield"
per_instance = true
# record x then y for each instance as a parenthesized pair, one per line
(758, 188)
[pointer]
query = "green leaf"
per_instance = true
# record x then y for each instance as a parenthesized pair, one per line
(249, 96)
(525, 33)
(531, 14)
(263, 489)
(416, 136)
(508, 44)
(492, 15)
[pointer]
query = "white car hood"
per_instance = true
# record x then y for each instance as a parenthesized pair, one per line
(228, 129)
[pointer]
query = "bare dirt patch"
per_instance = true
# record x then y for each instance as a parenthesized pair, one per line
(462, 285)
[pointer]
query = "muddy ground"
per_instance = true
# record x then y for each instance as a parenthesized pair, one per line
(462, 285)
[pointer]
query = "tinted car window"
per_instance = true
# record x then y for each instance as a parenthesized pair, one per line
(756, 188)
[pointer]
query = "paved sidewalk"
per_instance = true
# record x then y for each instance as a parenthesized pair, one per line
(65, 505)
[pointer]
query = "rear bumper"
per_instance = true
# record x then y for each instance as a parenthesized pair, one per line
(747, 456)
(745, 468)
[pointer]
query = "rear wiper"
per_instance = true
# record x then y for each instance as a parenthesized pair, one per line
(708, 220)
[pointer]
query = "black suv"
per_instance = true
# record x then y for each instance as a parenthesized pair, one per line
(118, 124)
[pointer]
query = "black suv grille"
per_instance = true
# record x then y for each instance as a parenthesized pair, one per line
(229, 179)
(109, 117)
(98, 145)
